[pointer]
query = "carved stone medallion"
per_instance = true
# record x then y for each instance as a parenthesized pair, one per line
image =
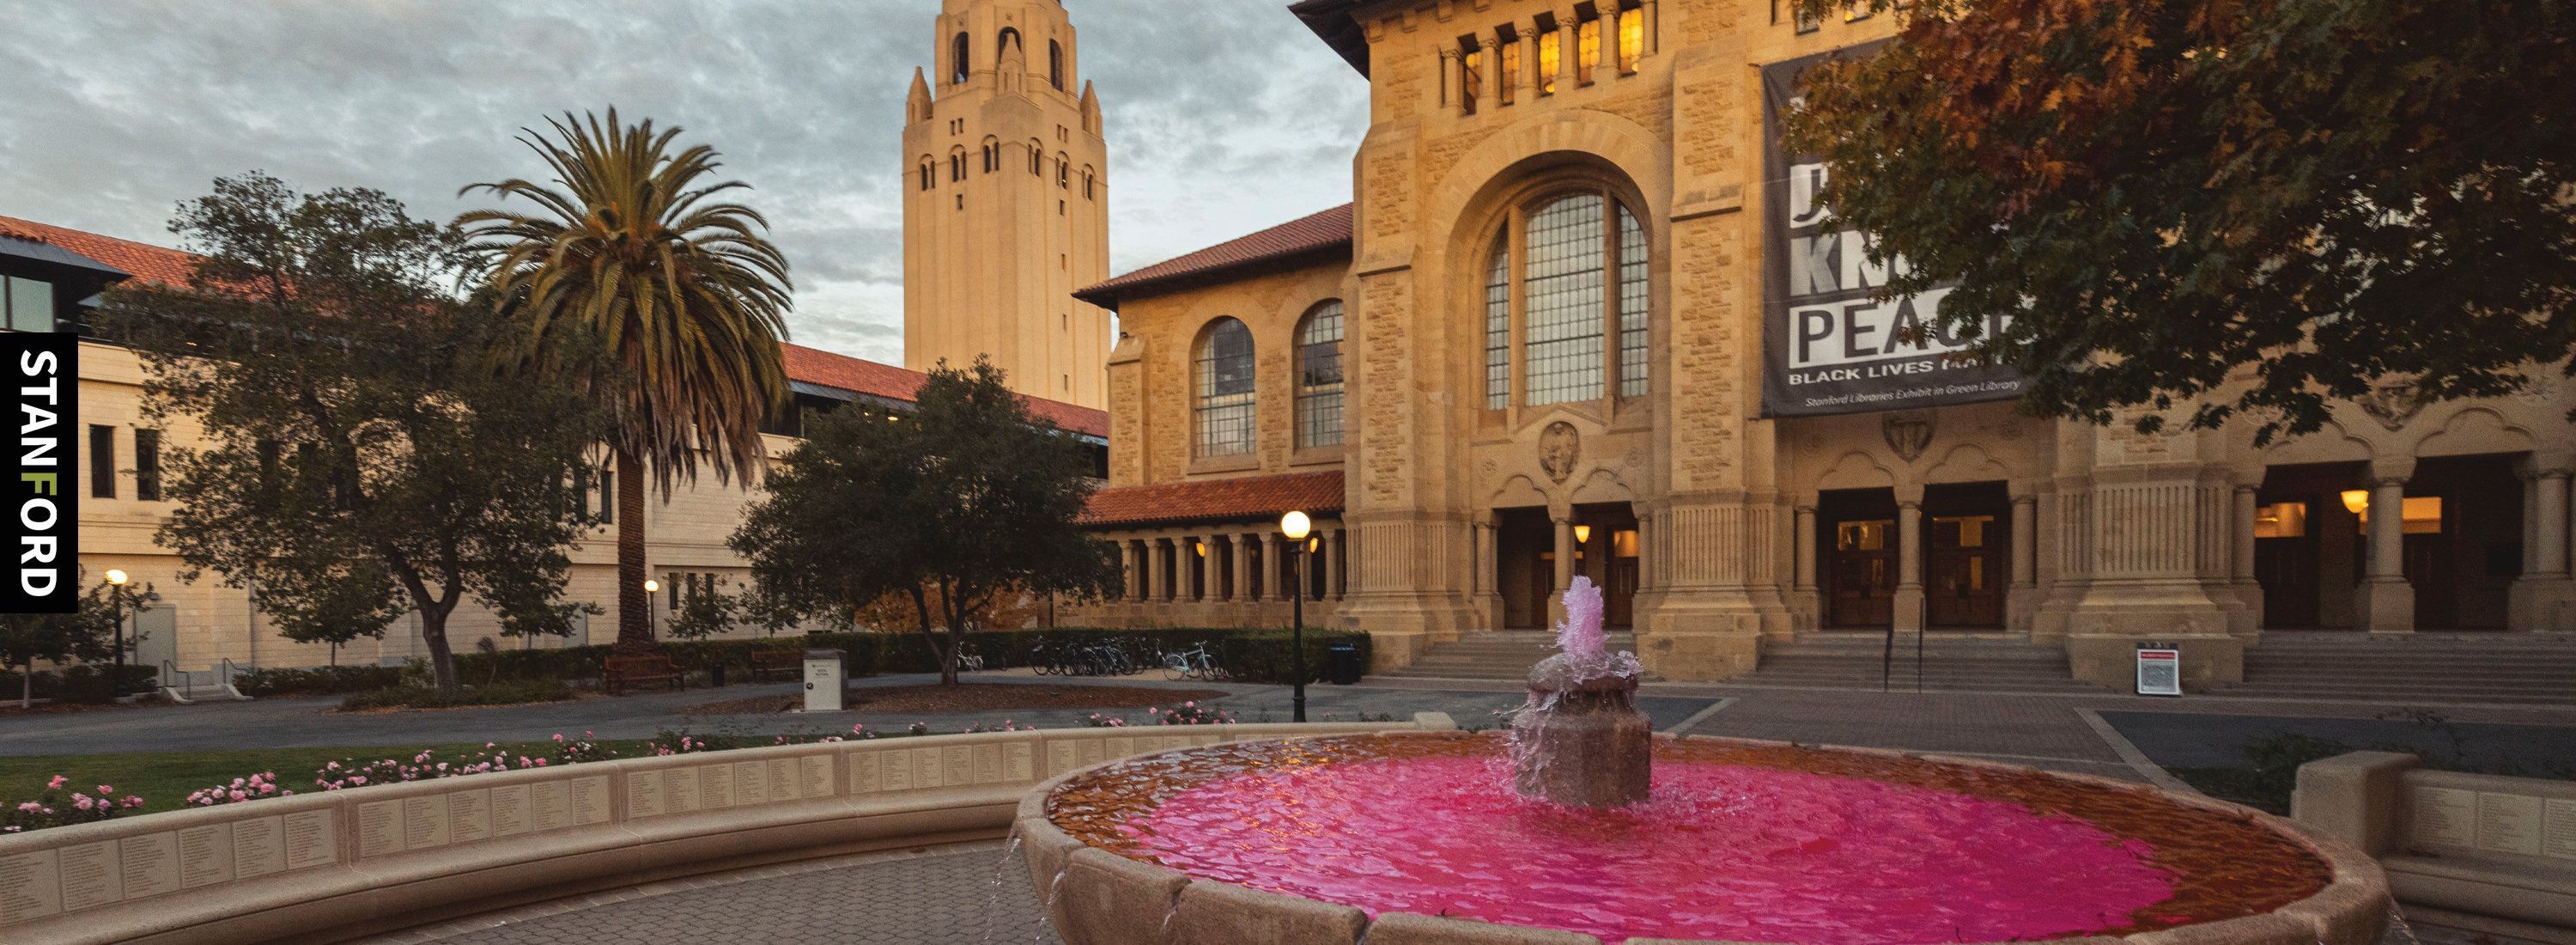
(2392, 402)
(1908, 432)
(1560, 447)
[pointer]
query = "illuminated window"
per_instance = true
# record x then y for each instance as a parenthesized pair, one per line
(2281, 520)
(1498, 326)
(1508, 71)
(1632, 38)
(1971, 528)
(1319, 376)
(1862, 536)
(1551, 52)
(1225, 402)
(1471, 75)
(1623, 543)
(1587, 47)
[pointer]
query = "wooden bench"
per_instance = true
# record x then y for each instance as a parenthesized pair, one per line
(618, 672)
(788, 664)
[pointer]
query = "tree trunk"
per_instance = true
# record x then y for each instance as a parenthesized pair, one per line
(634, 613)
(442, 660)
(27, 686)
(946, 655)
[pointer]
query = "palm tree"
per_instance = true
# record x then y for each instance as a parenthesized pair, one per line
(629, 279)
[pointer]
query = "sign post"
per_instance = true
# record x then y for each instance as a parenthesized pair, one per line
(825, 671)
(2159, 669)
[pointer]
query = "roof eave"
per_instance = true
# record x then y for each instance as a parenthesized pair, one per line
(1333, 22)
(1108, 295)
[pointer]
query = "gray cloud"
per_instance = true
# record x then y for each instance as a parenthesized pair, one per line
(1224, 116)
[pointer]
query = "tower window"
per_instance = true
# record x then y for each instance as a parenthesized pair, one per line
(1063, 171)
(1055, 64)
(1507, 68)
(1087, 183)
(1551, 53)
(961, 201)
(1632, 36)
(1471, 74)
(1037, 158)
(1002, 47)
(926, 177)
(992, 155)
(957, 60)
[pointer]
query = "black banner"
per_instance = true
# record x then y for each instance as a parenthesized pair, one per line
(1828, 347)
(44, 499)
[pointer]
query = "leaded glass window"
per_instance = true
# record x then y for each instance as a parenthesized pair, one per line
(1225, 402)
(1562, 286)
(1632, 306)
(1498, 327)
(1319, 377)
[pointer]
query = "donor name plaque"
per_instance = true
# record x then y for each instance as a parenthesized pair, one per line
(1831, 344)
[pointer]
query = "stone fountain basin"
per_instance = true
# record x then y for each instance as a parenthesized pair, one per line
(1096, 897)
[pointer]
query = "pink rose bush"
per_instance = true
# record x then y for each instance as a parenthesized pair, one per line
(53, 809)
(252, 788)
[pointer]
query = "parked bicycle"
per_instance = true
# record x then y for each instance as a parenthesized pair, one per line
(1194, 663)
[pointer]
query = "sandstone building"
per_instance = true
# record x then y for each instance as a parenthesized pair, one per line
(1006, 202)
(46, 273)
(1564, 328)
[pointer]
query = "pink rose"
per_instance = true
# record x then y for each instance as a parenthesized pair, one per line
(57, 783)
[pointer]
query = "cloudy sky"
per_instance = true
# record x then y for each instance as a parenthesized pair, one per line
(1224, 116)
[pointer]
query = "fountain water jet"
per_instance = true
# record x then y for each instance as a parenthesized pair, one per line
(1580, 740)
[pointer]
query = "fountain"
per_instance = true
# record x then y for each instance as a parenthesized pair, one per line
(1610, 833)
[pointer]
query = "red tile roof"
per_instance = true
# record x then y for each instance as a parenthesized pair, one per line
(840, 371)
(1300, 238)
(813, 366)
(144, 260)
(1207, 500)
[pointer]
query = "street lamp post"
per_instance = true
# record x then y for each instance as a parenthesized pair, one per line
(116, 579)
(1295, 525)
(651, 587)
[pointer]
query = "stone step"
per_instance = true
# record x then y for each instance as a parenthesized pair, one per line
(2401, 696)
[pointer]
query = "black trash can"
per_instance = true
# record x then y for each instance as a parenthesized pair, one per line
(1343, 667)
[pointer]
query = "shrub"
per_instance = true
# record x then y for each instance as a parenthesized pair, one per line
(84, 684)
(318, 681)
(53, 809)
(351, 773)
(510, 692)
(1247, 655)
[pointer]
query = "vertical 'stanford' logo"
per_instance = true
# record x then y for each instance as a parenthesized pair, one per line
(43, 509)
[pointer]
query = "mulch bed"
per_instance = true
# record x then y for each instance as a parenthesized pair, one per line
(972, 697)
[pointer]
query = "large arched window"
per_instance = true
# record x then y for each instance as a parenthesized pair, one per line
(1055, 64)
(1037, 158)
(958, 62)
(992, 154)
(1319, 376)
(1573, 250)
(1002, 47)
(1225, 402)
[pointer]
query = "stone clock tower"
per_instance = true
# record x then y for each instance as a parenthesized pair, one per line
(1006, 202)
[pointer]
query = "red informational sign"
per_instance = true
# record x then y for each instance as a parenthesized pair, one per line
(2159, 669)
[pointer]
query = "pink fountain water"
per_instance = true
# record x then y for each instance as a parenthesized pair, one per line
(1617, 834)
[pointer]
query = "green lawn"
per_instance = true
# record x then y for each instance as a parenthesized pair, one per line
(163, 779)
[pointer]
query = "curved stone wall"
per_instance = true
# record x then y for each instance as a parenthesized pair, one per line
(330, 866)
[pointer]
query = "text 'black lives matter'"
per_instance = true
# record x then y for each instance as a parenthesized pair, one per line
(43, 508)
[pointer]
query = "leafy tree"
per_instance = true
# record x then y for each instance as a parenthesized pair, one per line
(85, 635)
(702, 614)
(633, 284)
(359, 457)
(2243, 206)
(963, 500)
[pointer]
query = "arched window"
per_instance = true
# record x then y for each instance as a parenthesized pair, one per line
(958, 64)
(1319, 376)
(1088, 179)
(1037, 158)
(1574, 249)
(1055, 64)
(927, 178)
(957, 163)
(1063, 170)
(1225, 402)
(992, 155)
(1002, 47)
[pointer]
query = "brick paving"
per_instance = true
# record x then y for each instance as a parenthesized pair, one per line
(962, 895)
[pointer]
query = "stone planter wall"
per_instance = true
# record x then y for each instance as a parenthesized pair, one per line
(322, 867)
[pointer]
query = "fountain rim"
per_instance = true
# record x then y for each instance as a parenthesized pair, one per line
(2349, 910)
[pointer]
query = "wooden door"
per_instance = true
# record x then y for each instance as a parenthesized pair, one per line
(1963, 571)
(1861, 574)
(1619, 589)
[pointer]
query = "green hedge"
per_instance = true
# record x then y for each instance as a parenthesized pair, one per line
(1247, 655)
(318, 681)
(84, 683)
(513, 692)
